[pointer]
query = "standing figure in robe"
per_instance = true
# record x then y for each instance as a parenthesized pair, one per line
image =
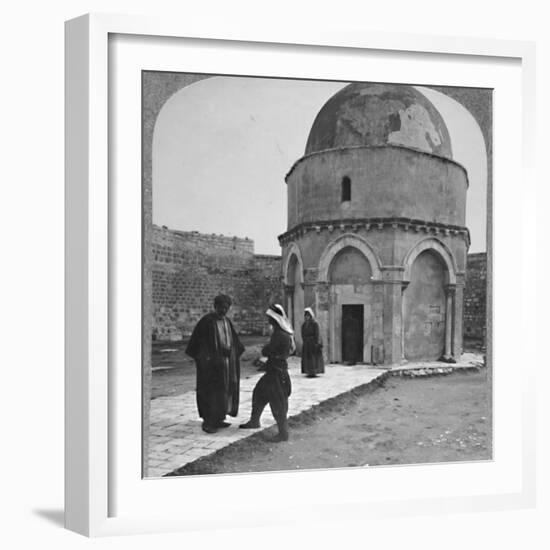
(216, 349)
(312, 347)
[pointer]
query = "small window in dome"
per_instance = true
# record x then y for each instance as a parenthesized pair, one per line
(346, 189)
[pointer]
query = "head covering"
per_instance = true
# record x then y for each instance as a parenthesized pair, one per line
(222, 299)
(276, 312)
(310, 311)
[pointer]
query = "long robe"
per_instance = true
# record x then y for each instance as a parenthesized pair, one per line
(218, 373)
(312, 354)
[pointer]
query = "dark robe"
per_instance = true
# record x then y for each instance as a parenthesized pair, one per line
(274, 386)
(312, 352)
(218, 369)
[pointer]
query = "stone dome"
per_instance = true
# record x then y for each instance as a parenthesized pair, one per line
(366, 114)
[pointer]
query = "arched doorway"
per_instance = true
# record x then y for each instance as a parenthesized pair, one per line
(351, 299)
(424, 308)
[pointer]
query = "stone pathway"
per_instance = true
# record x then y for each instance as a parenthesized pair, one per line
(176, 437)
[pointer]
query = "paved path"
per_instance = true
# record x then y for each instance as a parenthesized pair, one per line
(176, 437)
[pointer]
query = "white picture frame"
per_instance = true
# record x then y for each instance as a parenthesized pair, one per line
(98, 501)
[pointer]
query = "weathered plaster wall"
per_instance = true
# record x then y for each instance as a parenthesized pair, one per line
(390, 249)
(366, 113)
(424, 309)
(350, 267)
(385, 182)
(390, 244)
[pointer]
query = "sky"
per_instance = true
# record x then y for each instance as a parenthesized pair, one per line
(223, 146)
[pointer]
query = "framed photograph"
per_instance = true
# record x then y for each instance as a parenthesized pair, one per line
(290, 262)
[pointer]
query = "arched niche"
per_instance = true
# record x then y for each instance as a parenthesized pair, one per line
(342, 242)
(438, 248)
(157, 89)
(350, 266)
(293, 254)
(424, 307)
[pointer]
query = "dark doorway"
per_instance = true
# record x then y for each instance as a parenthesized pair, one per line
(352, 334)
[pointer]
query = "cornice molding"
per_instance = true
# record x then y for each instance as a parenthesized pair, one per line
(375, 224)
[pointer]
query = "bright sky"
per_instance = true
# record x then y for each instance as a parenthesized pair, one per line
(222, 148)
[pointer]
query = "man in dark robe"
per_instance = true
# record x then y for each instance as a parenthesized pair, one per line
(274, 387)
(216, 348)
(312, 347)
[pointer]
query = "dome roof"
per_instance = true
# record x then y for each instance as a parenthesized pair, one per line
(363, 114)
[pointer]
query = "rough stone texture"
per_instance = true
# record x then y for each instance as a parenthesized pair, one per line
(475, 298)
(191, 268)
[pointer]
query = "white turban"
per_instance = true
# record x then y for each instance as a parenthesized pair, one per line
(310, 311)
(276, 311)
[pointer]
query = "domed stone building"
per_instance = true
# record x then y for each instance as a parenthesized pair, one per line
(376, 239)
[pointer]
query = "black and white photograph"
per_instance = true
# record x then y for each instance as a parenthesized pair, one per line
(291, 253)
(315, 265)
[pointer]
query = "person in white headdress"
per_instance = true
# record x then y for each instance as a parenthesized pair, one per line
(312, 346)
(274, 387)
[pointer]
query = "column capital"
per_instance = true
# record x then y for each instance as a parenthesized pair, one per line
(450, 289)
(392, 273)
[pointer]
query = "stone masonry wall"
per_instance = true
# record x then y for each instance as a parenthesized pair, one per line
(191, 268)
(475, 298)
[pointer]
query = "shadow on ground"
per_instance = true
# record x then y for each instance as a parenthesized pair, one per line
(57, 517)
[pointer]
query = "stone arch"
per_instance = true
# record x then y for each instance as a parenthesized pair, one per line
(478, 102)
(344, 241)
(293, 277)
(350, 266)
(472, 112)
(338, 296)
(293, 250)
(424, 308)
(156, 92)
(434, 245)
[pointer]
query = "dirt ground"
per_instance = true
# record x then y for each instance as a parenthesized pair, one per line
(174, 372)
(405, 421)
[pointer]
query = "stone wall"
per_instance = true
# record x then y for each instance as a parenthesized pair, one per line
(191, 268)
(475, 298)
